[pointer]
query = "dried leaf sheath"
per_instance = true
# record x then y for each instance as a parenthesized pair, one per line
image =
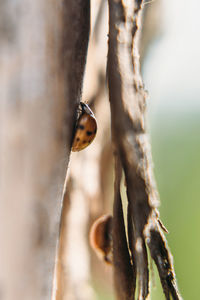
(123, 270)
(127, 102)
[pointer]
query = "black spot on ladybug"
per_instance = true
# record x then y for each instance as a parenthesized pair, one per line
(89, 133)
(81, 126)
(84, 142)
(77, 139)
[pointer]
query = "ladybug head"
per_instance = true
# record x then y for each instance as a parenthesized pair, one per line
(85, 109)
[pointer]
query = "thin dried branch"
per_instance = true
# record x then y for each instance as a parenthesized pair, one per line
(163, 259)
(127, 102)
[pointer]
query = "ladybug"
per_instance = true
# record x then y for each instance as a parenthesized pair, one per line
(101, 238)
(86, 128)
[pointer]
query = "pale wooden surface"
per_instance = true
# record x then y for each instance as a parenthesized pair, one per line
(37, 113)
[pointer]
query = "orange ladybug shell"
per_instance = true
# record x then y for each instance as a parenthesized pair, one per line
(86, 129)
(101, 237)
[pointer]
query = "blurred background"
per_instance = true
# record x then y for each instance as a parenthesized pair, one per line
(171, 76)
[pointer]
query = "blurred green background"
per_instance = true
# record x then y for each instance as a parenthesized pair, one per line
(171, 76)
(176, 153)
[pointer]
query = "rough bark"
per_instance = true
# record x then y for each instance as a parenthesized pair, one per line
(132, 149)
(42, 62)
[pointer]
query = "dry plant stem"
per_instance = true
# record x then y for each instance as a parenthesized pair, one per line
(123, 271)
(75, 36)
(127, 101)
(127, 123)
(163, 259)
(75, 16)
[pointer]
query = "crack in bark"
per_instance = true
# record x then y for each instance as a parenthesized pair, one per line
(123, 270)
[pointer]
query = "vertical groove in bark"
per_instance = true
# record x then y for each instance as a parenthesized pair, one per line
(127, 102)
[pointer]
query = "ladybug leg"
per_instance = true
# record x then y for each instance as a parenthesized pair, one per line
(79, 111)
